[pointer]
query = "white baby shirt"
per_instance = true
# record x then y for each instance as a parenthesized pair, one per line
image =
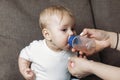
(47, 64)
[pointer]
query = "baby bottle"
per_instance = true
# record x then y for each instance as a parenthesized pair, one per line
(83, 44)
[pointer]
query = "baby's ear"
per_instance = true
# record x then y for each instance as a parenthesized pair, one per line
(46, 34)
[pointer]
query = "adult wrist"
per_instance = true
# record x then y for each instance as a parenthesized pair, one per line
(91, 67)
(112, 39)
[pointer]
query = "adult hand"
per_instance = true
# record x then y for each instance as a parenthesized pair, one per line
(79, 66)
(101, 38)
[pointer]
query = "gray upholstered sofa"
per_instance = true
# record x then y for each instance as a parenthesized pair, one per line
(19, 26)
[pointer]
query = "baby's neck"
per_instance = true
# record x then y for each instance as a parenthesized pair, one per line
(52, 46)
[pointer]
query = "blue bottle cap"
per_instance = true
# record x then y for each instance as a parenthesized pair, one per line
(70, 40)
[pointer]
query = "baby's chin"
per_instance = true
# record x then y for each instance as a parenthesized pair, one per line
(67, 47)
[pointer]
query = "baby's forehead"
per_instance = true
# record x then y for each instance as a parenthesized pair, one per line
(60, 18)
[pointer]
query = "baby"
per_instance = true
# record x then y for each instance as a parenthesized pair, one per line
(47, 59)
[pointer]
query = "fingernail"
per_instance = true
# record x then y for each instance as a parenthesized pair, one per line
(68, 58)
(72, 64)
(81, 33)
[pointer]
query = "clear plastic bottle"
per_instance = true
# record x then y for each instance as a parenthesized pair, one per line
(83, 44)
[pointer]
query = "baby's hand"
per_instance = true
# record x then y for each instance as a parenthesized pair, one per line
(29, 74)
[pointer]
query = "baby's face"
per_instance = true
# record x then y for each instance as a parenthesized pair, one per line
(61, 29)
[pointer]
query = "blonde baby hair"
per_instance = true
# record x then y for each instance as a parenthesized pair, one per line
(47, 13)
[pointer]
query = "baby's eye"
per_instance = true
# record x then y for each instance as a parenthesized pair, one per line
(64, 30)
(73, 29)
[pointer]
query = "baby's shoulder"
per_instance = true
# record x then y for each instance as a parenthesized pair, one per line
(36, 42)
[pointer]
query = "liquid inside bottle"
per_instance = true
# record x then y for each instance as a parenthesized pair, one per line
(81, 43)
